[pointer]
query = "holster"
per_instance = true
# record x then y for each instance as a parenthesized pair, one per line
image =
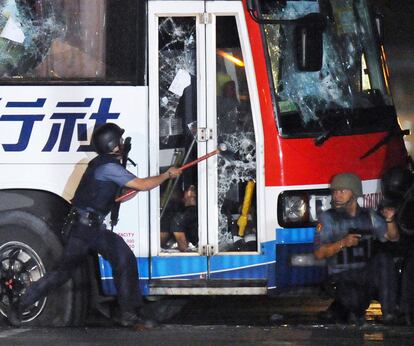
(78, 217)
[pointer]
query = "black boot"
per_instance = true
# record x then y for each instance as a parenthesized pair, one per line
(126, 318)
(146, 323)
(132, 319)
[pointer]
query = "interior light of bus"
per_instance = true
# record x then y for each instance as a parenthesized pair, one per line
(230, 57)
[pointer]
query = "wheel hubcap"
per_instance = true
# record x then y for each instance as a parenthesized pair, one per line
(20, 266)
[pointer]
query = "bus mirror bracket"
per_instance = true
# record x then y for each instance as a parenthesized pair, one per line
(309, 42)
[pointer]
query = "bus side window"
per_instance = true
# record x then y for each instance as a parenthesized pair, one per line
(48, 40)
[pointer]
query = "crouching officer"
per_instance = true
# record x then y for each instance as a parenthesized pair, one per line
(344, 237)
(93, 200)
(397, 186)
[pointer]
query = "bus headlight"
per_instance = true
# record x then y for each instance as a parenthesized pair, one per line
(301, 208)
(294, 209)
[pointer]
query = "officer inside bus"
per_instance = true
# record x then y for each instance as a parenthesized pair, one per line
(344, 237)
(85, 231)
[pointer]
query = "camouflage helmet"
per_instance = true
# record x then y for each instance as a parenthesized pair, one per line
(349, 181)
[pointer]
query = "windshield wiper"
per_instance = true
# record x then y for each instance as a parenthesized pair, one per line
(342, 122)
(323, 137)
(391, 134)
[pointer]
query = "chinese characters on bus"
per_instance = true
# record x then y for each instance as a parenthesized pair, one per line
(63, 123)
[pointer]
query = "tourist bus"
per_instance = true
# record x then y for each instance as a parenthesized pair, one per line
(296, 91)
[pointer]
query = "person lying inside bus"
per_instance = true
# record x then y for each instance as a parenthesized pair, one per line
(182, 225)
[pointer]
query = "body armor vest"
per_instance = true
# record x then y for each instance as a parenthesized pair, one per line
(93, 194)
(355, 256)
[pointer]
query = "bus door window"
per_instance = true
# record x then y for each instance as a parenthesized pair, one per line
(237, 170)
(177, 132)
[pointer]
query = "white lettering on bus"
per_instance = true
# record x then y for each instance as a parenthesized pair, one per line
(371, 200)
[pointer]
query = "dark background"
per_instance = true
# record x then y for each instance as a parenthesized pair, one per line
(399, 48)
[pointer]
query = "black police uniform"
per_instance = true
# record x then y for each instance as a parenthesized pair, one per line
(403, 250)
(356, 274)
(85, 232)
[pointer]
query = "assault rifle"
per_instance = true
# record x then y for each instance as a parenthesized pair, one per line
(124, 160)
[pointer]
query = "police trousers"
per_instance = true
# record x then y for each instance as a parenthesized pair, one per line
(355, 288)
(82, 240)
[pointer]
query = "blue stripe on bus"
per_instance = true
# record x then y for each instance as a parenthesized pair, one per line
(295, 235)
(224, 262)
(260, 271)
(177, 266)
(258, 266)
(188, 267)
(183, 266)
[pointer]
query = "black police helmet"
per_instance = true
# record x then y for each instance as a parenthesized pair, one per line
(395, 182)
(107, 137)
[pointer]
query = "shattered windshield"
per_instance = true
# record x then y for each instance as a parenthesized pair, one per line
(352, 82)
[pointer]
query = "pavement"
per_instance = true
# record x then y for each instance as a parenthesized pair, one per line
(222, 321)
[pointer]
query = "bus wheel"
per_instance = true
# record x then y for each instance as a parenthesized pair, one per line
(28, 250)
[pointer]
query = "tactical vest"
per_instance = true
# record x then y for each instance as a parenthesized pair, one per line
(355, 256)
(93, 194)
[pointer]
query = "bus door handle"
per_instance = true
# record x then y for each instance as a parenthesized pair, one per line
(208, 250)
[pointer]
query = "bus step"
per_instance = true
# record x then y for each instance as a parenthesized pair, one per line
(207, 283)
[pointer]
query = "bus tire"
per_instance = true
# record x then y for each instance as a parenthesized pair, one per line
(26, 241)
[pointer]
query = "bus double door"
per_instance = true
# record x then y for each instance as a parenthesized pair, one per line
(203, 97)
